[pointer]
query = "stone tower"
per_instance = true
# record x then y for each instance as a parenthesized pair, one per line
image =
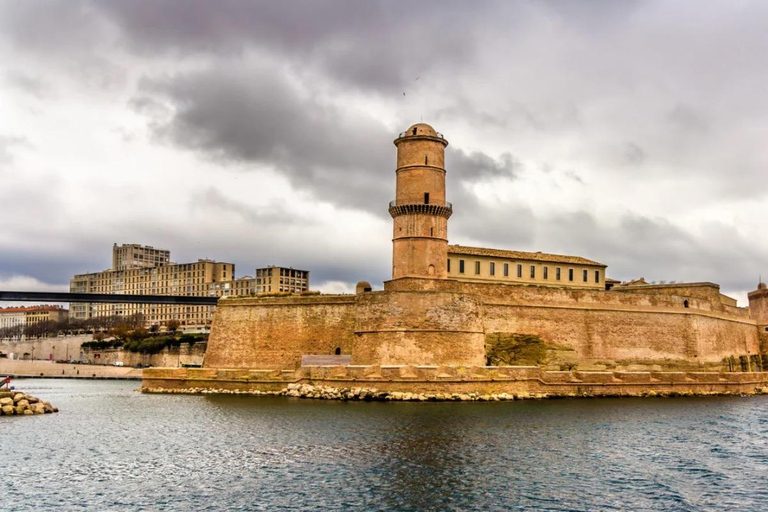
(419, 211)
(758, 305)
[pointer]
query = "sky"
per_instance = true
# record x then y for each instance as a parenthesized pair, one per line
(260, 133)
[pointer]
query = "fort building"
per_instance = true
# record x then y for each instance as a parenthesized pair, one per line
(461, 318)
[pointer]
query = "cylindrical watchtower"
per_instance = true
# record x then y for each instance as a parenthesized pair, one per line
(420, 212)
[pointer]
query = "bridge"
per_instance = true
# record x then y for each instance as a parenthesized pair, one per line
(107, 298)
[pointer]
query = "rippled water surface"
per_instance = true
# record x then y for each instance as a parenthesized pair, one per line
(111, 448)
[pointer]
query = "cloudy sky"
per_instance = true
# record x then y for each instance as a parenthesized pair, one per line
(632, 133)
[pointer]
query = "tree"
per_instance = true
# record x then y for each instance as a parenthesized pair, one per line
(172, 325)
(154, 328)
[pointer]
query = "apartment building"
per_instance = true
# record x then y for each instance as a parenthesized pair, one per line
(133, 276)
(130, 256)
(21, 317)
(281, 279)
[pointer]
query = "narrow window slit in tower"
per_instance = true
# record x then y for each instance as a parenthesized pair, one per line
(431, 231)
(426, 197)
(426, 160)
(414, 131)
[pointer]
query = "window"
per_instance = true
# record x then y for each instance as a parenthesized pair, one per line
(506, 270)
(546, 272)
(449, 264)
(426, 197)
(519, 271)
(597, 276)
(477, 267)
(557, 273)
(685, 303)
(461, 266)
(493, 269)
(570, 274)
(585, 274)
(533, 271)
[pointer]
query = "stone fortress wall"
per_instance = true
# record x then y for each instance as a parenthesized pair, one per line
(406, 324)
(426, 330)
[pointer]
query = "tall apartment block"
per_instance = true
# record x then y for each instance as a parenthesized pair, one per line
(128, 256)
(144, 270)
(281, 279)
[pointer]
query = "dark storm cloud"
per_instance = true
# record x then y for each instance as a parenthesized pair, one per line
(258, 116)
(373, 44)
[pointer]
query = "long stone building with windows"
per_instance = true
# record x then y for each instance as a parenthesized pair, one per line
(464, 318)
(144, 270)
(14, 320)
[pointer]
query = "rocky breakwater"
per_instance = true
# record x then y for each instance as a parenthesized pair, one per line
(18, 403)
(373, 394)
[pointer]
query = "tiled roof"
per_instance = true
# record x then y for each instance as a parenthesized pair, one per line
(521, 255)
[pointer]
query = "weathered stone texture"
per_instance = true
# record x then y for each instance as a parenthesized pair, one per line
(276, 332)
(448, 326)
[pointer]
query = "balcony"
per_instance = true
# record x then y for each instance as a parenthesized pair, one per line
(406, 207)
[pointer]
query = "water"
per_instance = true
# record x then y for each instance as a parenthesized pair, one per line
(111, 448)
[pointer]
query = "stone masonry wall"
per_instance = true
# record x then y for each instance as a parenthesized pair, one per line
(446, 325)
(418, 328)
(276, 332)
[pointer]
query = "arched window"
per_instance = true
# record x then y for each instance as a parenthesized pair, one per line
(338, 351)
(685, 303)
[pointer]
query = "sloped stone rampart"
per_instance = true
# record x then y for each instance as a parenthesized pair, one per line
(520, 382)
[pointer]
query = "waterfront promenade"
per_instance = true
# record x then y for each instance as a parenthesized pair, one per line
(64, 370)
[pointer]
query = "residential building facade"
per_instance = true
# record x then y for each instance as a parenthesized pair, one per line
(24, 316)
(130, 256)
(132, 275)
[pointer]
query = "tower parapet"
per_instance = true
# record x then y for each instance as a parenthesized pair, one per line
(420, 212)
(758, 305)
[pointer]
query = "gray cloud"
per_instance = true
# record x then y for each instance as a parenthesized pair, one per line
(585, 93)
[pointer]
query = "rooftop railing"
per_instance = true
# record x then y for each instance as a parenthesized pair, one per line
(405, 134)
(409, 202)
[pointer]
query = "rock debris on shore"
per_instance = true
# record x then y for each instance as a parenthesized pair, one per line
(18, 403)
(357, 393)
(310, 391)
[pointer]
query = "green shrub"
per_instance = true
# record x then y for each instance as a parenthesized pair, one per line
(512, 349)
(102, 345)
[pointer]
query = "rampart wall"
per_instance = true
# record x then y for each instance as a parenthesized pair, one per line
(447, 323)
(276, 332)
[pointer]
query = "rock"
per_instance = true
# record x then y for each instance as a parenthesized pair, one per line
(23, 403)
(20, 409)
(6, 401)
(27, 412)
(18, 396)
(8, 410)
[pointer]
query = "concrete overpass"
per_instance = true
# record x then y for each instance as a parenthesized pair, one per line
(106, 298)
